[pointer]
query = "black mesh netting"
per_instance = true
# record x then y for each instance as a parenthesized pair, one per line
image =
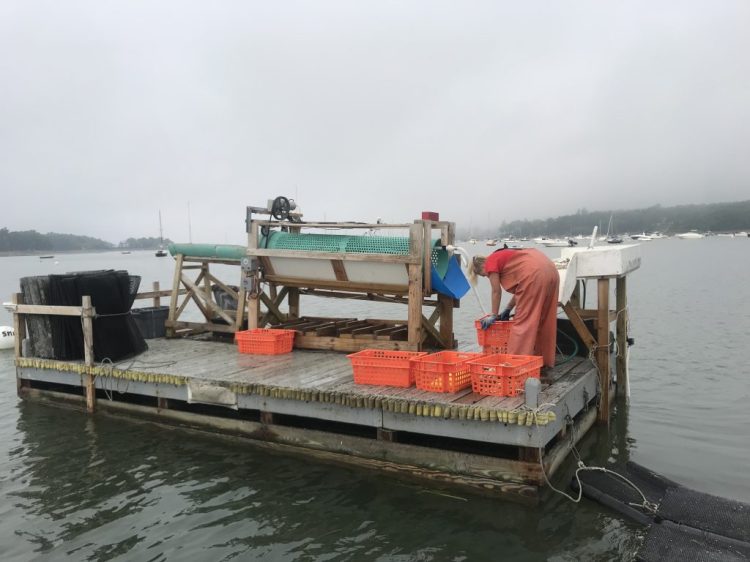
(112, 293)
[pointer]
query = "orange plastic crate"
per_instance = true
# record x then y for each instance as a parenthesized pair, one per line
(495, 338)
(384, 367)
(502, 374)
(445, 371)
(265, 341)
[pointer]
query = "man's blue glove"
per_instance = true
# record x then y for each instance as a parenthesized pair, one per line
(505, 315)
(487, 321)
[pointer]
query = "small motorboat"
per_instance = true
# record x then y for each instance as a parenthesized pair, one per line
(692, 235)
(46, 257)
(491, 242)
(641, 237)
(559, 243)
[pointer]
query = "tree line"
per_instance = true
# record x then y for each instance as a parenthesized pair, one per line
(713, 217)
(32, 241)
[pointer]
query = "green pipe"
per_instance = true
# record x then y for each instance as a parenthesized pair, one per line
(216, 251)
(314, 242)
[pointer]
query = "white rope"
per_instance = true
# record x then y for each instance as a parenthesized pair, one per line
(646, 505)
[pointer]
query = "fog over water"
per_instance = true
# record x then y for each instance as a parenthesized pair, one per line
(485, 111)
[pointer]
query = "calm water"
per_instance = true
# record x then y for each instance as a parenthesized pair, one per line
(80, 488)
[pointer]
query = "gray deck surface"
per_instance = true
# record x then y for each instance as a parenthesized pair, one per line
(313, 370)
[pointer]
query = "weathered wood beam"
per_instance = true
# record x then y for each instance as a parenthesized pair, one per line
(621, 361)
(602, 348)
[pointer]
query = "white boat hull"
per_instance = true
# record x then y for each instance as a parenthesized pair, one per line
(7, 337)
(556, 243)
(690, 236)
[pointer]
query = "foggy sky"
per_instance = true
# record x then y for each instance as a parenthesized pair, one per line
(482, 111)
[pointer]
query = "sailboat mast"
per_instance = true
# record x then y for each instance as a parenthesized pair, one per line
(161, 234)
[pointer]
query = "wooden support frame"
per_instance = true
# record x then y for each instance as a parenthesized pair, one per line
(273, 285)
(621, 315)
(86, 312)
(602, 349)
(198, 291)
(599, 344)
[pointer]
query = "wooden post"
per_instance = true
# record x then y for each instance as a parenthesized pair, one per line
(175, 292)
(445, 305)
(19, 325)
(387, 435)
(575, 297)
(427, 257)
(239, 317)
(416, 247)
(19, 329)
(602, 348)
(293, 303)
(207, 290)
(88, 346)
(621, 303)
(253, 299)
(157, 297)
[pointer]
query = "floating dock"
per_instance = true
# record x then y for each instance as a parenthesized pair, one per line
(306, 401)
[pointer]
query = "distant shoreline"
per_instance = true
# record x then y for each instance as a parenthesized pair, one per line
(38, 253)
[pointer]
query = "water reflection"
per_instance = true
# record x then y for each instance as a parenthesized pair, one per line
(99, 488)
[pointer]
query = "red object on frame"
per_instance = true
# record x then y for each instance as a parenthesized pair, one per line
(430, 216)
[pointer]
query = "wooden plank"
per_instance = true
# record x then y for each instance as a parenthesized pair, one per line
(621, 362)
(602, 348)
(339, 270)
(201, 326)
(427, 256)
(580, 326)
(293, 299)
(430, 329)
(207, 302)
(329, 225)
(395, 299)
(302, 283)
(88, 349)
(239, 317)
(360, 257)
(226, 288)
(387, 331)
(19, 325)
(369, 329)
(157, 296)
(267, 265)
(349, 344)
(49, 310)
(273, 310)
(588, 314)
(446, 321)
(354, 326)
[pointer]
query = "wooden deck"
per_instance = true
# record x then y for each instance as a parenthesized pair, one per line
(307, 401)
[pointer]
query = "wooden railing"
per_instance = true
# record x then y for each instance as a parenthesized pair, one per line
(87, 313)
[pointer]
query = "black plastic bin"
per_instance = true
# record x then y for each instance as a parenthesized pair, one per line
(150, 321)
